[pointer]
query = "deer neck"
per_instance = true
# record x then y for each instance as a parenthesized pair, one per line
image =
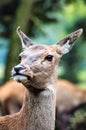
(39, 108)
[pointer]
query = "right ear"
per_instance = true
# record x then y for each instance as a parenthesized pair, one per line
(66, 44)
(26, 42)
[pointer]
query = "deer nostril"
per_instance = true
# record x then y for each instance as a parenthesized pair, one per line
(17, 69)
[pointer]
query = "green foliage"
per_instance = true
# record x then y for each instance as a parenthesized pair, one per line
(78, 120)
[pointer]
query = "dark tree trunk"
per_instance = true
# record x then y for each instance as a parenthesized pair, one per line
(22, 19)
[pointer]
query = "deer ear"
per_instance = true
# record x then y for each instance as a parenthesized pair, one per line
(26, 42)
(65, 45)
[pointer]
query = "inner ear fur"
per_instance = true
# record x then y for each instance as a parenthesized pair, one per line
(26, 42)
(66, 43)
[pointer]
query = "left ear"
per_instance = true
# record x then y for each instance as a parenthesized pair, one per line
(26, 42)
(65, 45)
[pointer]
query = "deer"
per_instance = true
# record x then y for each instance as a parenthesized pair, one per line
(69, 95)
(12, 96)
(70, 98)
(37, 71)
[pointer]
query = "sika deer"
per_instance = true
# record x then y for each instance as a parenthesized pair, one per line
(37, 71)
(11, 97)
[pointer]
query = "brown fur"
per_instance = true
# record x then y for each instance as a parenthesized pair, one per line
(68, 96)
(37, 72)
(11, 97)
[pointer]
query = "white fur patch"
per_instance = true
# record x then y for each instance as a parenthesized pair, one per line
(20, 78)
(66, 48)
(47, 91)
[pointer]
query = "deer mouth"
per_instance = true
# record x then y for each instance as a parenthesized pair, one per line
(21, 77)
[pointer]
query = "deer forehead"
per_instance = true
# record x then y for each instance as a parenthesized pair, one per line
(39, 50)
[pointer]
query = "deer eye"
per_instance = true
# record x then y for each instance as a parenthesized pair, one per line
(49, 57)
(19, 58)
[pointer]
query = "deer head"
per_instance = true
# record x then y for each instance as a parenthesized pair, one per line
(38, 63)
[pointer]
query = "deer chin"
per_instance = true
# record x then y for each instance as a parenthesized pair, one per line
(21, 78)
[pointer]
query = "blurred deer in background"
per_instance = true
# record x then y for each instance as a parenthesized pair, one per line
(11, 97)
(69, 99)
(37, 71)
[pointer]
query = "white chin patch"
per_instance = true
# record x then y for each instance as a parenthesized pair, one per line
(20, 78)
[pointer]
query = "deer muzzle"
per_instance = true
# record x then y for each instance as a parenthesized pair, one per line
(21, 73)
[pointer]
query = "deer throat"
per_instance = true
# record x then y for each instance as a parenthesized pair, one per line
(41, 110)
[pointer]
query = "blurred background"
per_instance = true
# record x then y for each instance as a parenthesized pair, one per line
(45, 22)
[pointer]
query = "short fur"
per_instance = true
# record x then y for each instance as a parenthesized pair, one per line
(37, 71)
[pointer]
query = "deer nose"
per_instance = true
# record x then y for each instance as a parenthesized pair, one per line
(18, 68)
